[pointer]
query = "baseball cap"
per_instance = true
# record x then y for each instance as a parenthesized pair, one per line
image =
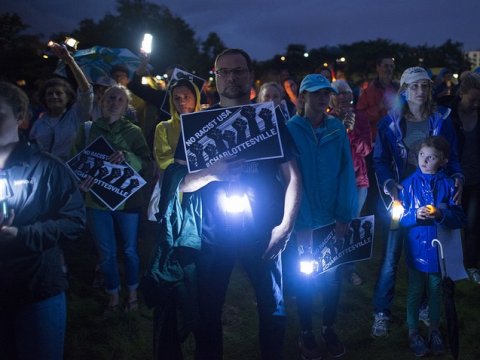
(315, 82)
(413, 74)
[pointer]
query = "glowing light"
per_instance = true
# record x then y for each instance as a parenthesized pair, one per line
(147, 44)
(306, 54)
(325, 64)
(165, 76)
(308, 267)
(235, 204)
(455, 76)
(210, 78)
(73, 43)
(158, 77)
(5, 193)
(342, 59)
(50, 43)
(396, 210)
(45, 56)
(144, 80)
(283, 58)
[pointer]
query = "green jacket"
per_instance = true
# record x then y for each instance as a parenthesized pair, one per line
(127, 137)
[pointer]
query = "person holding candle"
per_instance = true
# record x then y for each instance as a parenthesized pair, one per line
(428, 199)
(414, 118)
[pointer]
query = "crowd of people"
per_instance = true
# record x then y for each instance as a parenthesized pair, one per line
(342, 156)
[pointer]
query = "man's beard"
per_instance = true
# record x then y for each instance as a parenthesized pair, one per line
(234, 92)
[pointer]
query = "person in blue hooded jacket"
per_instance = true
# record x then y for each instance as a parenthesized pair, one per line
(413, 119)
(329, 196)
(428, 200)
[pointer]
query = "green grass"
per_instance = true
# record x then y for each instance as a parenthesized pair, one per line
(91, 335)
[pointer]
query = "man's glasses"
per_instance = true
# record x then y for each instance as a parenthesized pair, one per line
(235, 72)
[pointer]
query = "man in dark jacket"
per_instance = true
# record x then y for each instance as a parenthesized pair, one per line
(41, 206)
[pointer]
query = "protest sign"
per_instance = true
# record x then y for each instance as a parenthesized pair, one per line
(329, 252)
(249, 132)
(178, 74)
(113, 184)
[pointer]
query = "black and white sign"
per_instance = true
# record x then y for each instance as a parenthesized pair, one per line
(113, 183)
(330, 252)
(249, 132)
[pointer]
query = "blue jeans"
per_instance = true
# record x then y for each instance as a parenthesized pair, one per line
(34, 331)
(214, 266)
(103, 224)
(385, 286)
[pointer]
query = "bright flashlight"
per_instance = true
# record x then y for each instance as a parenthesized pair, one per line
(147, 43)
(235, 204)
(397, 212)
(5, 193)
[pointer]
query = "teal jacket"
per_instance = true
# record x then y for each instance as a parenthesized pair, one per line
(171, 274)
(328, 178)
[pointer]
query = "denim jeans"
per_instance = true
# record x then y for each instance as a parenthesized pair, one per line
(214, 266)
(103, 224)
(34, 331)
(385, 286)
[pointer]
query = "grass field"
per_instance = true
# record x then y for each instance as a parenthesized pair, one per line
(129, 336)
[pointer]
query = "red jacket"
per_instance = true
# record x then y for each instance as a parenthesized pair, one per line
(375, 101)
(361, 145)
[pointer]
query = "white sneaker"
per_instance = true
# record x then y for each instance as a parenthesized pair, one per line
(380, 325)
(474, 275)
(423, 315)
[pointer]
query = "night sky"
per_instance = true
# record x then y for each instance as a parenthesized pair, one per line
(265, 28)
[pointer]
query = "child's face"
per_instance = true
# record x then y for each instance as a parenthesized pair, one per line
(430, 160)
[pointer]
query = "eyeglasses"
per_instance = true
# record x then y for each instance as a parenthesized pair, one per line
(235, 72)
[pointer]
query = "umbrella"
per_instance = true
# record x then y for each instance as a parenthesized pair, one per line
(448, 287)
(98, 61)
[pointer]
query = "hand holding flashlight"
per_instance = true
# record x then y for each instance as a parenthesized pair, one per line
(60, 51)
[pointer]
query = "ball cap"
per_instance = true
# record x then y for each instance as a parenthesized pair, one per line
(413, 74)
(315, 82)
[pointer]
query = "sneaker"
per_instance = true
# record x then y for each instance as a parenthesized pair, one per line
(417, 345)
(380, 325)
(435, 343)
(423, 315)
(334, 346)
(474, 275)
(309, 349)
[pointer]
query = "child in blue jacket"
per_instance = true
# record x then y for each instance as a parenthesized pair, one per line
(427, 198)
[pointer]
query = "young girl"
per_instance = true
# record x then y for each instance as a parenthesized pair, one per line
(427, 197)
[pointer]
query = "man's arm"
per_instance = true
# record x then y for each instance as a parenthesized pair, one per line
(281, 232)
(223, 170)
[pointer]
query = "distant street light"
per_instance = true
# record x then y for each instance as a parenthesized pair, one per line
(325, 64)
(283, 58)
(306, 54)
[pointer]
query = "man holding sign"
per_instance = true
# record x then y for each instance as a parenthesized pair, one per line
(255, 231)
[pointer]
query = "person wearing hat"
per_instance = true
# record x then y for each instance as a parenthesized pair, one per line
(329, 196)
(414, 118)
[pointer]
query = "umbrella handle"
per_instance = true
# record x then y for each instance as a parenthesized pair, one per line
(436, 242)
